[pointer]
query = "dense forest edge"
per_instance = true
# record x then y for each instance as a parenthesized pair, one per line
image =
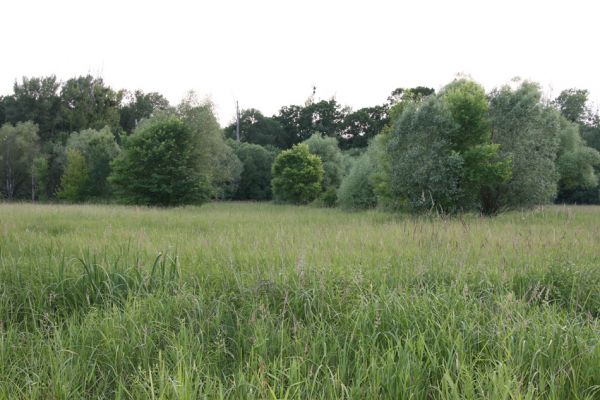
(460, 149)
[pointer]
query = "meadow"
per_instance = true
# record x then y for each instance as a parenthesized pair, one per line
(262, 301)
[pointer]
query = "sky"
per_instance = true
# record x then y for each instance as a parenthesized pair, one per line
(266, 54)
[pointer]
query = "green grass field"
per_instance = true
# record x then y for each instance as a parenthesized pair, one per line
(261, 301)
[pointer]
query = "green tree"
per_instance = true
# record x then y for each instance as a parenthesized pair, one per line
(162, 164)
(403, 95)
(74, 183)
(482, 168)
(360, 126)
(325, 116)
(527, 131)
(137, 106)
(379, 149)
(258, 129)
(334, 166)
(99, 149)
(289, 119)
(3, 101)
(227, 174)
(86, 102)
(424, 172)
(220, 165)
(440, 151)
(56, 155)
(255, 182)
(590, 132)
(301, 122)
(40, 178)
(326, 148)
(297, 175)
(36, 100)
(19, 146)
(576, 163)
(572, 103)
(357, 190)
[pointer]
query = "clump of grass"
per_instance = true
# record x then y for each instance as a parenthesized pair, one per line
(98, 285)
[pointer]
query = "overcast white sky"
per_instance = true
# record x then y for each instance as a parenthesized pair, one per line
(270, 53)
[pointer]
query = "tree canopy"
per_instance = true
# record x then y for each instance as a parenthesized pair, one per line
(527, 131)
(162, 164)
(441, 154)
(257, 129)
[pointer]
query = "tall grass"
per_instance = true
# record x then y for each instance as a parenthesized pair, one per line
(261, 301)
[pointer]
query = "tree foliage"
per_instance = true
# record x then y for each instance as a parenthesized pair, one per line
(301, 122)
(162, 163)
(404, 95)
(456, 150)
(357, 190)
(360, 126)
(576, 163)
(86, 102)
(590, 132)
(137, 106)
(75, 181)
(255, 182)
(99, 148)
(297, 175)
(326, 148)
(19, 146)
(227, 174)
(572, 103)
(528, 133)
(441, 153)
(258, 129)
(215, 158)
(39, 178)
(36, 100)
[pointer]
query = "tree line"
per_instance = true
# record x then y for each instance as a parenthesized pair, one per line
(455, 150)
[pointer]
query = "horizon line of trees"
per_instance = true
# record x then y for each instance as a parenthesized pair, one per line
(460, 149)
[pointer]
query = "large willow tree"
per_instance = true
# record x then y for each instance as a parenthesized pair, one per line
(441, 153)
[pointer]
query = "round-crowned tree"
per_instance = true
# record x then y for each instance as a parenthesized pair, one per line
(297, 175)
(161, 164)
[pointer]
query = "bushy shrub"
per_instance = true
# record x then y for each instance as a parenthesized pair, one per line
(297, 175)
